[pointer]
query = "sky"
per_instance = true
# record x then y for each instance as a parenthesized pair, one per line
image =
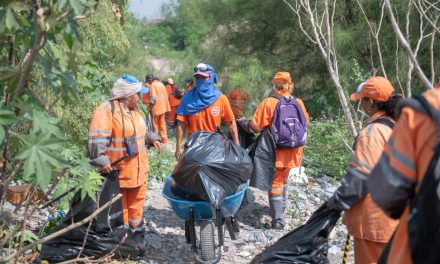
(149, 9)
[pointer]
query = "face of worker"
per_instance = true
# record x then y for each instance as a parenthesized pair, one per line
(367, 106)
(133, 100)
(201, 77)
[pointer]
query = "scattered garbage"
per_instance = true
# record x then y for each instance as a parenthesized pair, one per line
(298, 175)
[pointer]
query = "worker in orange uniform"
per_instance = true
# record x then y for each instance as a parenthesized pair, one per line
(286, 158)
(203, 108)
(117, 129)
(238, 99)
(174, 96)
(396, 180)
(189, 84)
(157, 100)
(365, 221)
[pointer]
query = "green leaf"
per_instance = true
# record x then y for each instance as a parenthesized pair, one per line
(61, 4)
(90, 185)
(6, 118)
(11, 22)
(40, 154)
(42, 122)
(77, 6)
(68, 38)
(18, 6)
(88, 3)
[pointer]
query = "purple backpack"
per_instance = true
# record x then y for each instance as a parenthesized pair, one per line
(289, 125)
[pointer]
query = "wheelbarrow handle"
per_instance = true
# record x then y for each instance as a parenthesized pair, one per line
(71, 188)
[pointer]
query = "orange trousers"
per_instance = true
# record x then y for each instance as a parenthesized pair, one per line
(171, 115)
(281, 177)
(160, 127)
(133, 205)
(366, 251)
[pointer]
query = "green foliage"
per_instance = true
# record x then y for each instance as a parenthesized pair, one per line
(28, 238)
(89, 185)
(327, 150)
(161, 164)
(103, 38)
(6, 118)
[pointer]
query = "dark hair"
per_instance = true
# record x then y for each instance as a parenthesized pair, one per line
(390, 106)
(149, 77)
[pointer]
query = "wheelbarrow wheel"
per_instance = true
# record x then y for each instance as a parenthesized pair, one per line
(207, 243)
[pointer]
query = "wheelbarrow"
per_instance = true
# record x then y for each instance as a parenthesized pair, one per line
(206, 217)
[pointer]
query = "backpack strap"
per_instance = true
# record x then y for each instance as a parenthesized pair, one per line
(383, 121)
(279, 96)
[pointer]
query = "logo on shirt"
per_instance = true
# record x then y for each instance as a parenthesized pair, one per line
(215, 111)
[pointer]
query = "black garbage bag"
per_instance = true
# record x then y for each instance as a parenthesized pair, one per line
(107, 233)
(262, 153)
(211, 168)
(246, 138)
(306, 244)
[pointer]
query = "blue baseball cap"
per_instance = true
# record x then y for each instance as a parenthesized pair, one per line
(132, 79)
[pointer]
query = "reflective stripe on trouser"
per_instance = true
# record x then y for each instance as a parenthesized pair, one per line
(278, 194)
(160, 127)
(133, 205)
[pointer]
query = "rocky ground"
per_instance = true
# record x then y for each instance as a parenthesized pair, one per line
(165, 231)
(166, 239)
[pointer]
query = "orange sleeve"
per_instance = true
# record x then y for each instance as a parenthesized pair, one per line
(100, 133)
(392, 180)
(227, 114)
(262, 115)
(400, 147)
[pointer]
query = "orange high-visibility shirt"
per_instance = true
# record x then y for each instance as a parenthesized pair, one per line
(365, 220)
(158, 93)
(263, 116)
(106, 142)
(174, 101)
(402, 167)
(209, 118)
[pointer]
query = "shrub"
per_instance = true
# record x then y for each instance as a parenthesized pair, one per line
(327, 151)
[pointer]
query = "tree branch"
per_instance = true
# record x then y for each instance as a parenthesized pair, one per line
(31, 55)
(405, 44)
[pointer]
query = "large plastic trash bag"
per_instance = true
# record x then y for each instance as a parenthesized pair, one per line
(306, 244)
(211, 168)
(107, 233)
(246, 139)
(262, 153)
